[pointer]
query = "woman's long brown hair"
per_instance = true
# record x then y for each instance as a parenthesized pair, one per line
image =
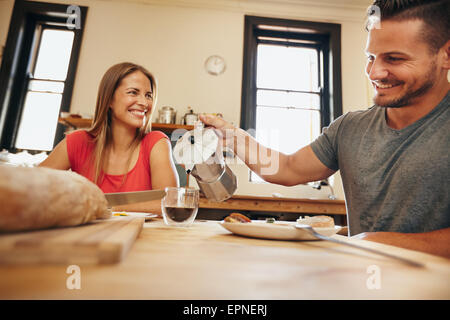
(101, 127)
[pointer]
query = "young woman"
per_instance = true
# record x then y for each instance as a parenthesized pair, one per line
(119, 152)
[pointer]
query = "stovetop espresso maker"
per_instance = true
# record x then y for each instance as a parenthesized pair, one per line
(201, 153)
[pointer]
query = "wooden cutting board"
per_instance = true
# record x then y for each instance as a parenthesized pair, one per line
(98, 242)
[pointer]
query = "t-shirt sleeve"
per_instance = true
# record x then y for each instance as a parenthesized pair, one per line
(326, 145)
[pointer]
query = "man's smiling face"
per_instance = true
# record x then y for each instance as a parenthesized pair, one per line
(400, 66)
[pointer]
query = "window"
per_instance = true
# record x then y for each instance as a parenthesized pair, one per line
(291, 81)
(37, 75)
(37, 126)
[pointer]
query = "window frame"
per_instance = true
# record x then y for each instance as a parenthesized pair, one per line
(328, 35)
(16, 63)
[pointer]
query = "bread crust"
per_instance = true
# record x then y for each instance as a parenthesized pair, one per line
(36, 198)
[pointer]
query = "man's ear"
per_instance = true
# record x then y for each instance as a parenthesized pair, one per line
(445, 54)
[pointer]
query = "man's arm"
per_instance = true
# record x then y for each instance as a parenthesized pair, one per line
(435, 242)
(273, 166)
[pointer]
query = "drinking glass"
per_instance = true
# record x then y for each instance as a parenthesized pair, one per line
(179, 206)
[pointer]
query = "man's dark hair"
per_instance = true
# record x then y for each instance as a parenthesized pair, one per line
(434, 13)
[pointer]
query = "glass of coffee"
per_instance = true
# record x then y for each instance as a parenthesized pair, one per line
(179, 206)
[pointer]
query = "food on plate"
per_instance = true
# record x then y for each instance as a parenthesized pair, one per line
(236, 217)
(274, 222)
(314, 221)
(37, 198)
(120, 214)
(317, 221)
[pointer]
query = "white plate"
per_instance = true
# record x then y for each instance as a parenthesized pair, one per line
(275, 231)
(146, 215)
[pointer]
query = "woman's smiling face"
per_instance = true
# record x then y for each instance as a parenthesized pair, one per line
(133, 100)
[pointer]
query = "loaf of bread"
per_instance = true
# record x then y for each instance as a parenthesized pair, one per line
(317, 221)
(36, 198)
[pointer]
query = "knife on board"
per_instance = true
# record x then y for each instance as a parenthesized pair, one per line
(119, 198)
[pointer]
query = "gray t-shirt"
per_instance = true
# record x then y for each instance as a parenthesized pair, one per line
(394, 180)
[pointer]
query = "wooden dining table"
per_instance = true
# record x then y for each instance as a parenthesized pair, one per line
(205, 261)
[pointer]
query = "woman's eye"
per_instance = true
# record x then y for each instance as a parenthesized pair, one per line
(149, 96)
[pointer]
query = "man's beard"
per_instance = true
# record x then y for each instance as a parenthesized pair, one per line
(407, 98)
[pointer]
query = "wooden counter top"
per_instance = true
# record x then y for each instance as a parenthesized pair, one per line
(317, 206)
(206, 261)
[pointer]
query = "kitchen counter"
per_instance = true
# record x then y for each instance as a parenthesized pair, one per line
(290, 208)
(265, 204)
(206, 261)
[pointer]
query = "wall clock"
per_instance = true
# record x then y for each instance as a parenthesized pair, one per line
(215, 65)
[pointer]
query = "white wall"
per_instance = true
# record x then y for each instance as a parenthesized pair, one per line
(173, 38)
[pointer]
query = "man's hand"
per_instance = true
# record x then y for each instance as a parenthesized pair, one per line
(223, 129)
(216, 122)
(434, 242)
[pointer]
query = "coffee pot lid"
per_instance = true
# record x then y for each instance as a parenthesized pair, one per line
(196, 146)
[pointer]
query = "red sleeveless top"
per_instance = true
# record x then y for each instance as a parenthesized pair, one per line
(80, 146)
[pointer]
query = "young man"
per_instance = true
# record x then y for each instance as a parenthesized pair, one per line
(393, 157)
